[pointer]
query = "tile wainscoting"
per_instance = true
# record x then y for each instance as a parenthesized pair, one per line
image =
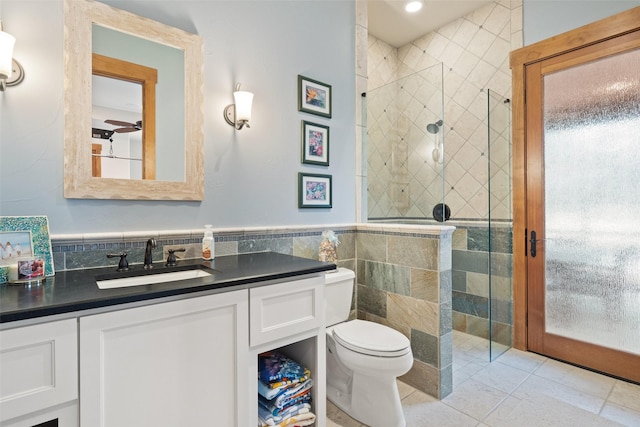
(404, 281)
(482, 280)
(71, 252)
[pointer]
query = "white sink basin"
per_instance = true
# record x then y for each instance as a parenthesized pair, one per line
(150, 279)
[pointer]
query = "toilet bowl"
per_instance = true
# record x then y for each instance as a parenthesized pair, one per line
(363, 360)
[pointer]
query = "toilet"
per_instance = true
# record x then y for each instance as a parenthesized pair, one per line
(363, 359)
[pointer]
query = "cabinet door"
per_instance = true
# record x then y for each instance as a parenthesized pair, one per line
(285, 309)
(39, 367)
(180, 363)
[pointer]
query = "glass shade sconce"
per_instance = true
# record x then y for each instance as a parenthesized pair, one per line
(11, 72)
(238, 115)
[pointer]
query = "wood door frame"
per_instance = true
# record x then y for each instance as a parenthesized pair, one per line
(96, 160)
(147, 77)
(608, 28)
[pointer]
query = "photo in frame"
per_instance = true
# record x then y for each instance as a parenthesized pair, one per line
(24, 236)
(315, 144)
(314, 97)
(314, 191)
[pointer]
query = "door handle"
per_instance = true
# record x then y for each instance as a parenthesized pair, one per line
(533, 242)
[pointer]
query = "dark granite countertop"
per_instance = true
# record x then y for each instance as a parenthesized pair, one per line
(76, 290)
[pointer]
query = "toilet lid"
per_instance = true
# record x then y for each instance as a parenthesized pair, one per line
(371, 338)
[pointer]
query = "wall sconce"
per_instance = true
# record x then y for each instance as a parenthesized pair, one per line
(238, 115)
(11, 72)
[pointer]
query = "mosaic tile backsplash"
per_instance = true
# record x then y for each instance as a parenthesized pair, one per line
(71, 253)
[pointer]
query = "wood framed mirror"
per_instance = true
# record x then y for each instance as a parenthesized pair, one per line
(82, 18)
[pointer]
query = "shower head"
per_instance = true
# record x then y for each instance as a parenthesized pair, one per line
(434, 127)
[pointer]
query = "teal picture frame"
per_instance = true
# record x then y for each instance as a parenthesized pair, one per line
(38, 227)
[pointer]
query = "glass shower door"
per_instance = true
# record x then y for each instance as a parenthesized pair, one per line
(499, 223)
(404, 136)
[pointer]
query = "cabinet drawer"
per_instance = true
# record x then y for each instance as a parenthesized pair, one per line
(39, 367)
(285, 309)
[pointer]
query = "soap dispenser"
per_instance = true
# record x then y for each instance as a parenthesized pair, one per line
(208, 245)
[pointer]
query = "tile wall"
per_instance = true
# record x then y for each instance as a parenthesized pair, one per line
(474, 51)
(481, 281)
(71, 252)
(404, 180)
(404, 281)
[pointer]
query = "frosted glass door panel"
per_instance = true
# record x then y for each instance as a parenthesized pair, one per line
(592, 202)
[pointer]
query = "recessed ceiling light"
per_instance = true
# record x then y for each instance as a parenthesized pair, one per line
(413, 6)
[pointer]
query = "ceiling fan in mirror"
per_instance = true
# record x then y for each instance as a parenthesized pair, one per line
(108, 134)
(125, 126)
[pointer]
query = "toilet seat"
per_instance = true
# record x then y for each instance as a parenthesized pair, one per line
(371, 338)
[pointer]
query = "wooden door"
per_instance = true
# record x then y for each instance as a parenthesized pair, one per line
(575, 175)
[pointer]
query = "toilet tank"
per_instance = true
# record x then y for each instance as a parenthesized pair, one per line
(338, 292)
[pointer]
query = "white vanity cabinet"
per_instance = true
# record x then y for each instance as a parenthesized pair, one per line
(177, 363)
(188, 360)
(39, 374)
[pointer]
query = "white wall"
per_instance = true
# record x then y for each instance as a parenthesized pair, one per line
(250, 175)
(547, 18)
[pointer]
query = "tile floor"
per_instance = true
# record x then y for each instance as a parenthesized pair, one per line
(517, 389)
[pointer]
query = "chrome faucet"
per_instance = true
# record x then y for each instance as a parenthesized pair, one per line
(148, 256)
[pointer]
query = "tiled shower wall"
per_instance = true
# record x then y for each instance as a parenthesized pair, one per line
(474, 51)
(406, 181)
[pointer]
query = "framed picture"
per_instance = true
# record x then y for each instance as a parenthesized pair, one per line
(314, 191)
(315, 144)
(314, 97)
(24, 236)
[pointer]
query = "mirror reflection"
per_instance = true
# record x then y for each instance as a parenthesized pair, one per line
(116, 128)
(147, 122)
(116, 146)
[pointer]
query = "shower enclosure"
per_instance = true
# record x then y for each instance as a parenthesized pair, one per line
(428, 166)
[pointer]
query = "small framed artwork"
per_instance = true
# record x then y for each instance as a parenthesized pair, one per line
(314, 97)
(314, 191)
(315, 144)
(25, 238)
